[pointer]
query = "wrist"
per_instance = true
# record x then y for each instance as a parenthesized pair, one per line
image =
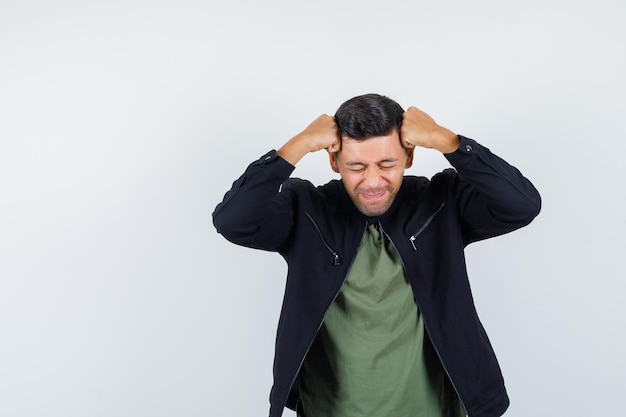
(294, 149)
(448, 141)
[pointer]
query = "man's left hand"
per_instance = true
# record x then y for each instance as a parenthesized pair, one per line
(420, 130)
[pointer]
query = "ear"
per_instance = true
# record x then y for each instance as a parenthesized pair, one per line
(409, 158)
(333, 161)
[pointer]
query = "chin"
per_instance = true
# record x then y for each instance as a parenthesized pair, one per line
(373, 211)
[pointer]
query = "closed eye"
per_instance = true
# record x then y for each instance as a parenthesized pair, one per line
(355, 166)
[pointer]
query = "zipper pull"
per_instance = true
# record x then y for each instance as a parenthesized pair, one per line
(412, 240)
(337, 259)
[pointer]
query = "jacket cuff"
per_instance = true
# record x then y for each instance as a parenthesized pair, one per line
(466, 151)
(275, 164)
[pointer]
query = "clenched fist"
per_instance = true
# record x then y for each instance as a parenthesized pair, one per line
(321, 134)
(420, 130)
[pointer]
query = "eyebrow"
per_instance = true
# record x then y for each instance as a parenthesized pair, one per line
(382, 161)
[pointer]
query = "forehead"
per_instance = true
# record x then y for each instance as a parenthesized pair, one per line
(373, 149)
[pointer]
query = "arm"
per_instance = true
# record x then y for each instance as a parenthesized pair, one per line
(493, 196)
(254, 212)
(420, 130)
(320, 134)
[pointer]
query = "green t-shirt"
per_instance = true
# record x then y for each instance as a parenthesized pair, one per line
(372, 356)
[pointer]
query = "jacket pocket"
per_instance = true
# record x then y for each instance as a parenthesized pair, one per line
(336, 258)
(428, 221)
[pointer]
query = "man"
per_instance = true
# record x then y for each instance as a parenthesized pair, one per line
(378, 317)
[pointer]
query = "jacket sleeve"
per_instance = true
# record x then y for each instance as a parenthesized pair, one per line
(493, 197)
(254, 213)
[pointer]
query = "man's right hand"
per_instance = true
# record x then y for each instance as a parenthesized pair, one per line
(321, 134)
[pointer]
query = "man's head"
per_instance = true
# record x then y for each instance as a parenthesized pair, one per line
(367, 116)
(372, 160)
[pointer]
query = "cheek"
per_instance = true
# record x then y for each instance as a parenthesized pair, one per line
(351, 180)
(394, 178)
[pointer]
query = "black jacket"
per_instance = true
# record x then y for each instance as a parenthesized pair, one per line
(318, 230)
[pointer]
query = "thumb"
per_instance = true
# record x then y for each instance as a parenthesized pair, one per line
(334, 147)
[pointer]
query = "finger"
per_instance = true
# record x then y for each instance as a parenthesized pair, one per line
(404, 141)
(407, 141)
(413, 109)
(404, 134)
(334, 147)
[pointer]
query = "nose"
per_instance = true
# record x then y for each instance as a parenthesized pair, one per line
(371, 178)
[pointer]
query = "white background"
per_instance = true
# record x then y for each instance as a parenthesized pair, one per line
(122, 124)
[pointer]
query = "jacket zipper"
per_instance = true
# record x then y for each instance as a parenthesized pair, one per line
(336, 257)
(319, 326)
(443, 365)
(424, 226)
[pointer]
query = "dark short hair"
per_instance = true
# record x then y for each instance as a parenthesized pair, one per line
(369, 115)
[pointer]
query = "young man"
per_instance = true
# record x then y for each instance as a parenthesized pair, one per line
(378, 317)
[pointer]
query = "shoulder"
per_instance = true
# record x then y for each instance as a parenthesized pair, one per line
(303, 189)
(303, 186)
(420, 187)
(330, 197)
(447, 176)
(421, 184)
